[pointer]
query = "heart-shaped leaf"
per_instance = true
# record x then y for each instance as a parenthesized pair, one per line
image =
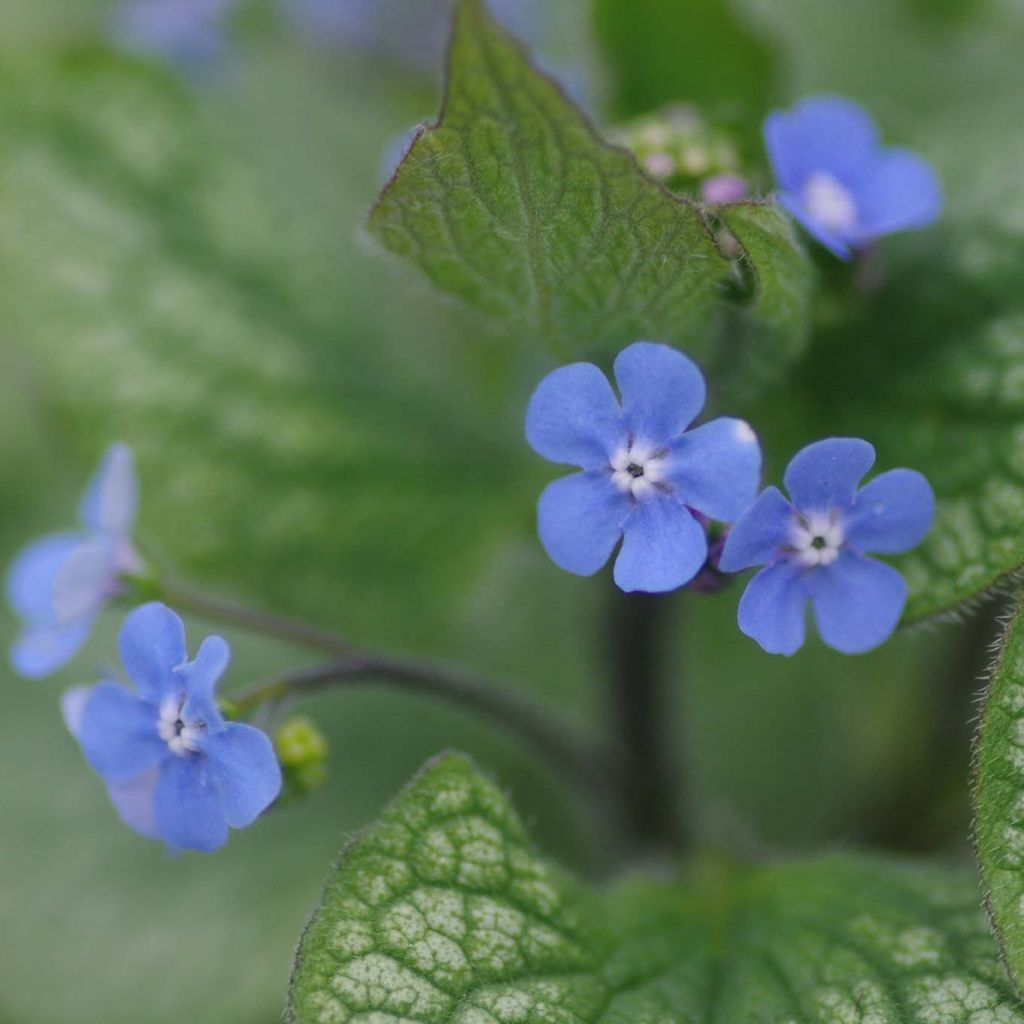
(442, 913)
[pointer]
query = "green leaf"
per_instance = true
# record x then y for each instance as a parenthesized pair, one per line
(999, 796)
(515, 205)
(664, 51)
(761, 340)
(442, 912)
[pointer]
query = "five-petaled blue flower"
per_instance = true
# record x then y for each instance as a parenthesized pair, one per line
(642, 470)
(59, 583)
(840, 182)
(174, 768)
(814, 549)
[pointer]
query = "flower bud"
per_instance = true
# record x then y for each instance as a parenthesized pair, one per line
(302, 750)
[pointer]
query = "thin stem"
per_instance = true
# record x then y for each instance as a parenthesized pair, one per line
(582, 760)
(186, 599)
(648, 796)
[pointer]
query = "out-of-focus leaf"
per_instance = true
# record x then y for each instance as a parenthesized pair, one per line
(698, 51)
(513, 204)
(169, 295)
(442, 912)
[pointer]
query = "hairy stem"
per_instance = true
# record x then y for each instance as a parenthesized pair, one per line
(582, 760)
(254, 620)
(641, 719)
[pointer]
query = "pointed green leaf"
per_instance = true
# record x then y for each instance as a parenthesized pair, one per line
(442, 913)
(999, 796)
(515, 205)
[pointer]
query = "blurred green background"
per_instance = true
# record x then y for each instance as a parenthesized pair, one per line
(181, 267)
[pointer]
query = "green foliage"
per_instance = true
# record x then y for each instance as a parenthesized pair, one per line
(699, 51)
(442, 912)
(513, 204)
(999, 796)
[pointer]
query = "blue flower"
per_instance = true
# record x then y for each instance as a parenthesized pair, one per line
(840, 182)
(174, 768)
(642, 470)
(814, 549)
(188, 33)
(58, 584)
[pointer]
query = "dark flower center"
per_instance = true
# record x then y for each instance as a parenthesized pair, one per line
(819, 543)
(634, 470)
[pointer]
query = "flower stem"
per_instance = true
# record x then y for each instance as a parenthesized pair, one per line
(299, 633)
(581, 759)
(648, 799)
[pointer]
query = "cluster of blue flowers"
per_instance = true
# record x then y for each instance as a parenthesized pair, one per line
(643, 475)
(648, 483)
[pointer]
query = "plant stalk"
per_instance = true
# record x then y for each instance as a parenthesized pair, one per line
(573, 754)
(641, 718)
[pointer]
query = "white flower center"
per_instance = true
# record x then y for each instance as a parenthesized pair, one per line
(636, 469)
(181, 738)
(829, 203)
(817, 538)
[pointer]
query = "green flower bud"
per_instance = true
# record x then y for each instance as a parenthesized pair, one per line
(302, 750)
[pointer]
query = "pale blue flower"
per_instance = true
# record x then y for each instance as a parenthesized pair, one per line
(644, 474)
(58, 584)
(174, 768)
(815, 549)
(840, 182)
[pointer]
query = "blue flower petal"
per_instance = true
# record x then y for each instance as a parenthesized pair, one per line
(133, 801)
(152, 646)
(857, 601)
(716, 468)
(579, 520)
(33, 575)
(839, 246)
(86, 580)
(573, 417)
(189, 33)
(772, 608)
(820, 134)
(245, 769)
(72, 706)
(892, 513)
(662, 391)
(118, 733)
(663, 547)
(111, 501)
(187, 805)
(901, 193)
(199, 679)
(825, 475)
(41, 650)
(757, 537)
